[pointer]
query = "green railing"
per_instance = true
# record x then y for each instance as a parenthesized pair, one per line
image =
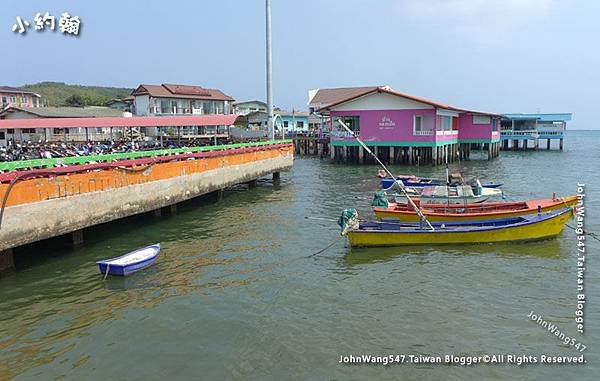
(80, 160)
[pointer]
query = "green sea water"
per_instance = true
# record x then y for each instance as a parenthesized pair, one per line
(236, 294)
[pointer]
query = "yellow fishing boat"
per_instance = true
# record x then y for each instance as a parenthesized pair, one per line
(522, 228)
(473, 212)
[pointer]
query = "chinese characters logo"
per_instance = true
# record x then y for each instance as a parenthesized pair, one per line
(67, 24)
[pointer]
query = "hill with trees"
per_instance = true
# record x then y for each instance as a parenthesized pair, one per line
(62, 94)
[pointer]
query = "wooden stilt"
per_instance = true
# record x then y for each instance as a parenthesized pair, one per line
(77, 237)
(7, 259)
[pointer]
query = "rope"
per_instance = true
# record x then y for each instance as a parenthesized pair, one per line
(107, 271)
(327, 247)
(593, 235)
(320, 219)
(139, 169)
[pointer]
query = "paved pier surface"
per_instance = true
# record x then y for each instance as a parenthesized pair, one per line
(44, 207)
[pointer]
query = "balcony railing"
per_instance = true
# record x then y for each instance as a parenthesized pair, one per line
(447, 132)
(423, 132)
(533, 133)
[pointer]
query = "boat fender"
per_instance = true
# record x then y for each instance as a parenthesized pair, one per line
(539, 209)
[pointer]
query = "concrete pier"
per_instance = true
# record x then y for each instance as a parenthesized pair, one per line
(42, 208)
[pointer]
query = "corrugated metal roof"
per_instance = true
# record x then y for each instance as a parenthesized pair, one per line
(65, 112)
(136, 121)
(555, 117)
(387, 90)
(167, 90)
(327, 97)
(9, 89)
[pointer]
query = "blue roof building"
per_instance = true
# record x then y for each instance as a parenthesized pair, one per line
(522, 127)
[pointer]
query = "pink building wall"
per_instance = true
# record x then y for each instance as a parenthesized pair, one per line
(389, 125)
(469, 131)
(5, 99)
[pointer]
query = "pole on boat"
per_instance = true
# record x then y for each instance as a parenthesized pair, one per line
(400, 183)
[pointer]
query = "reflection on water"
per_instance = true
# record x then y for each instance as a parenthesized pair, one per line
(548, 248)
(236, 294)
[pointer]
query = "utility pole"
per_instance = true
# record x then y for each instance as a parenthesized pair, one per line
(270, 124)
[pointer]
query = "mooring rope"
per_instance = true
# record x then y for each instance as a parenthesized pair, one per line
(324, 249)
(107, 271)
(592, 234)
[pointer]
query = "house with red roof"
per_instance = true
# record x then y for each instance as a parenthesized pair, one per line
(171, 99)
(15, 97)
(402, 128)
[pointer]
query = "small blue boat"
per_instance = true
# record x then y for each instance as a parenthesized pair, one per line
(131, 262)
(419, 182)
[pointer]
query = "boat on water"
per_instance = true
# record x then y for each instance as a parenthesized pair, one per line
(459, 194)
(471, 212)
(522, 228)
(414, 181)
(131, 262)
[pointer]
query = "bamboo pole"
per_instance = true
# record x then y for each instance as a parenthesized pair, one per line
(400, 184)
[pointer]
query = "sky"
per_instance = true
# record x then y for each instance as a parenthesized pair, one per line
(489, 55)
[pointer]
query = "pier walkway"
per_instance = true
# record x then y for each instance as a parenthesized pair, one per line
(42, 200)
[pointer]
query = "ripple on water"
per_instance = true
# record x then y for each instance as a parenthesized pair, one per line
(236, 293)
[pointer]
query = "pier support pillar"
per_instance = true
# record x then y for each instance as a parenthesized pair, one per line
(561, 144)
(392, 155)
(276, 176)
(332, 152)
(548, 144)
(361, 155)
(515, 145)
(7, 259)
(410, 155)
(536, 144)
(525, 145)
(77, 237)
(434, 157)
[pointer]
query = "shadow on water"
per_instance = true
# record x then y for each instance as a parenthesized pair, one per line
(57, 293)
(141, 229)
(544, 249)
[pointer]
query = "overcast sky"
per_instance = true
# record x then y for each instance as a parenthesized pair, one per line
(489, 55)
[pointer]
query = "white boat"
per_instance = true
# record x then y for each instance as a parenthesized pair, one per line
(461, 194)
(131, 262)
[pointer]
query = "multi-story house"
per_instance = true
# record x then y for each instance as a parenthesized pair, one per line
(170, 99)
(246, 107)
(12, 96)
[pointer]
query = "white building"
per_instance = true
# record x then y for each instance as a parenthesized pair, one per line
(169, 99)
(246, 107)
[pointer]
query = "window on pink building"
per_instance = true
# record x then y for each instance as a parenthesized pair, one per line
(353, 122)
